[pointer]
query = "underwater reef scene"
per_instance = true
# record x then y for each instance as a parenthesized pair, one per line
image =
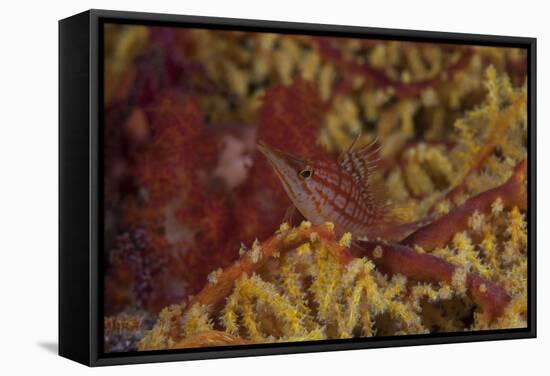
(264, 188)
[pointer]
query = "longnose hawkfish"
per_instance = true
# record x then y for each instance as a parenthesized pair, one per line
(340, 191)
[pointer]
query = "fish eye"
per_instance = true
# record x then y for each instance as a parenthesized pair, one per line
(306, 173)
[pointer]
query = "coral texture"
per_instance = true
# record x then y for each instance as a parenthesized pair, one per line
(195, 253)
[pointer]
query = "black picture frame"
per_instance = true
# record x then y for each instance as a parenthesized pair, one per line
(80, 187)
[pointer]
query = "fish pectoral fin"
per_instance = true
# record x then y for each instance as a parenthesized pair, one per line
(292, 216)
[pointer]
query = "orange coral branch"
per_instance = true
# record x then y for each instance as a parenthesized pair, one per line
(438, 233)
(382, 80)
(399, 259)
(213, 294)
(209, 338)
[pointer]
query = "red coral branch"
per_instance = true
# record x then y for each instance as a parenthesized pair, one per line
(399, 259)
(382, 80)
(512, 193)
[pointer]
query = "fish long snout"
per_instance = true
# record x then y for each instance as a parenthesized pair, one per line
(279, 159)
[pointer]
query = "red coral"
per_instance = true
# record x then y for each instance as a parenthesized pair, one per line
(290, 115)
(165, 166)
(399, 259)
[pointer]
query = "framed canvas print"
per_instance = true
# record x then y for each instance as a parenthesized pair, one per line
(238, 187)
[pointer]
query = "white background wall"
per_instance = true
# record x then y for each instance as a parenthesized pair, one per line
(28, 186)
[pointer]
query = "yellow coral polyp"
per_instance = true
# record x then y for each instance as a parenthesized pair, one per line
(497, 206)
(330, 226)
(303, 249)
(196, 319)
(516, 228)
(313, 237)
(459, 280)
(284, 227)
(255, 252)
(345, 240)
(378, 252)
(213, 276)
(305, 225)
(475, 222)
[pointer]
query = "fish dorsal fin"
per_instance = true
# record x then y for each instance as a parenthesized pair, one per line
(360, 163)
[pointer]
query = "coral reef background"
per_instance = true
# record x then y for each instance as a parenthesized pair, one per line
(194, 251)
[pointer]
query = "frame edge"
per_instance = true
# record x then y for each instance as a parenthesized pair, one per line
(74, 249)
(92, 100)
